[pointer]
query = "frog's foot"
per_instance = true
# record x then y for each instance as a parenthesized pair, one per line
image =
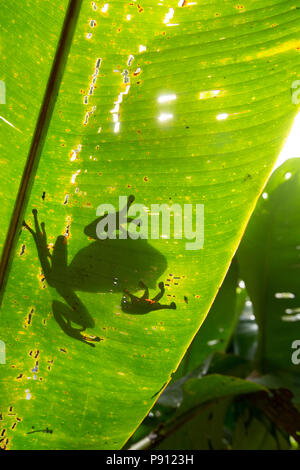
(27, 227)
(39, 234)
(90, 339)
(36, 223)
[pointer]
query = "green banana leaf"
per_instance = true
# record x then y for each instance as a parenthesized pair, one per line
(216, 331)
(189, 426)
(83, 365)
(253, 431)
(269, 263)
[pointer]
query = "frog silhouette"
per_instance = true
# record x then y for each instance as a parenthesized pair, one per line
(109, 265)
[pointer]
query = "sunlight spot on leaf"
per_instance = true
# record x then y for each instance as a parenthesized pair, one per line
(165, 117)
(73, 179)
(166, 98)
(105, 8)
(222, 116)
(169, 15)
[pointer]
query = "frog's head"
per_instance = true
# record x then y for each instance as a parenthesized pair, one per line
(91, 229)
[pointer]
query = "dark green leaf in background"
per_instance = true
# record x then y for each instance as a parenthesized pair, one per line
(269, 257)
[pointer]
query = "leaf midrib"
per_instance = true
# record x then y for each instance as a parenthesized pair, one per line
(38, 139)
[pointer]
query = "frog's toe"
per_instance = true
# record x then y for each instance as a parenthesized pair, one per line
(91, 338)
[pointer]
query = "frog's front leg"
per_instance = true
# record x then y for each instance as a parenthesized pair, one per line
(161, 293)
(134, 298)
(142, 305)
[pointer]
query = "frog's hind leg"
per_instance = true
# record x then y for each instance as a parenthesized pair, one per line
(80, 314)
(132, 297)
(75, 312)
(62, 314)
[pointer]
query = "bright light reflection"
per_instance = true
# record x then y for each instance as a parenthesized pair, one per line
(291, 147)
(222, 116)
(166, 98)
(165, 117)
(169, 15)
(105, 8)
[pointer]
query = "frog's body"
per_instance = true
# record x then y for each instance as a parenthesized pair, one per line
(102, 266)
(106, 265)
